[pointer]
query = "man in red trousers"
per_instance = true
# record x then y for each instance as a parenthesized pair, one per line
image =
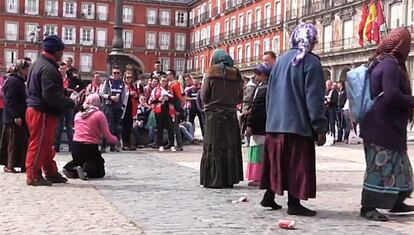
(46, 102)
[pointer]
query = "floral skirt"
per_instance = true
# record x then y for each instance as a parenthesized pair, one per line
(388, 175)
(255, 157)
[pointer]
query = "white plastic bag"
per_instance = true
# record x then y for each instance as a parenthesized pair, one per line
(330, 139)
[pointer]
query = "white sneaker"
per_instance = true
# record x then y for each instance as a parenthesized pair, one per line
(173, 149)
(161, 149)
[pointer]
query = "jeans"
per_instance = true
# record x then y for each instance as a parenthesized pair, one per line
(192, 114)
(340, 124)
(330, 114)
(67, 120)
(187, 131)
(164, 122)
(113, 116)
(177, 132)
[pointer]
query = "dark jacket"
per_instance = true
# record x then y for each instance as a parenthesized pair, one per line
(45, 91)
(256, 119)
(220, 92)
(386, 123)
(295, 96)
(75, 83)
(333, 102)
(14, 99)
(342, 98)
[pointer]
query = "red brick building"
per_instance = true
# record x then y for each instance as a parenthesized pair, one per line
(244, 28)
(180, 33)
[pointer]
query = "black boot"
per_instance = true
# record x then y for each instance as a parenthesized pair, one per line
(269, 200)
(295, 208)
(400, 206)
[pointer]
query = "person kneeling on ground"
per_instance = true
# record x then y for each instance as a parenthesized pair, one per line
(90, 124)
(187, 131)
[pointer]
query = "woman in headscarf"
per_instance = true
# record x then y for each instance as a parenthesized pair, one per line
(222, 89)
(256, 125)
(295, 119)
(90, 125)
(15, 134)
(388, 177)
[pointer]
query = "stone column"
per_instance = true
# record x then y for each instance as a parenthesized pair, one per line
(118, 42)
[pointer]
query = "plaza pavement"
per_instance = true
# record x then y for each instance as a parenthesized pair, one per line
(146, 192)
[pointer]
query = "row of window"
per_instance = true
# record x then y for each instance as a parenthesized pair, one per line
(243, 23)
(86, 65)
(241, 54)
(87, 36)
(99, 11)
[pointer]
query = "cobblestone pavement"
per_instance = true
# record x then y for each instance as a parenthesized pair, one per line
(159, 193)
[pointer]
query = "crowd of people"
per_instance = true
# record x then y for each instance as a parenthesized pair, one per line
(281, 114)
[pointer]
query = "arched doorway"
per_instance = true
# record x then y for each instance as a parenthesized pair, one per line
(327, 74)
(342, 74)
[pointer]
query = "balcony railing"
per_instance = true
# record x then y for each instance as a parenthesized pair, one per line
(239, 32)
(315, 7)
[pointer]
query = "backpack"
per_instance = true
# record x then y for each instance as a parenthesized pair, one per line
(359, 92)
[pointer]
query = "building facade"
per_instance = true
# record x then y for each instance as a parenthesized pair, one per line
(243, 28)
(338, 22)
(151, 31)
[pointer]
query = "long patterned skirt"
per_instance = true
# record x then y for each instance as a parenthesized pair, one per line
(388, 176)
(255, 157)
(221, 163)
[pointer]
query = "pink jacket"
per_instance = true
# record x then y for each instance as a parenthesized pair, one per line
(90, 129)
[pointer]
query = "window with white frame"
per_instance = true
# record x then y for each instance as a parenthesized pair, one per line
(10, 57)
(258, 17)
(12, 6)
(266, 45)
(231, 53)
(268, 14)
(127, 14)
(217, 32)
(202, 64)
(227, 27)
(86, 36)
(256, 50)
(181, 18)
(210, 9)
(180, 41)
(51, 7)
(69, 9)
(348, 33)
(278, 11)
(249, 21)
(218, 6)
(102, 11)
(196, 63)
(239, 54)
(69, 34)
(151, 39)
(233, 25)
(396, 15)
(248, 52)
(275, 45)
(86, 63)
(31, 54)
(32, 7)
(165, 17)
(327, 38)
(179, 66)
(241, 24)
(127, 37)
(164, 41)
(88, 10)
(12, 29)
(151, 16)
(101, 37)
(189, 64)
(165, 63)
(50, 30)
(31, 32)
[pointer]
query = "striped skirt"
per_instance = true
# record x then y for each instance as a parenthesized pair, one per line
(255, 157)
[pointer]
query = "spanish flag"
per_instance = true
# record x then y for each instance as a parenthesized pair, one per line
(370, 22)
(364, 15)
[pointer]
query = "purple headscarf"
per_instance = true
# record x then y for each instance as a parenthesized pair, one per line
(303, 37)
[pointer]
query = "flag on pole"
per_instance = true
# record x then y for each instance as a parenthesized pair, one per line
(379, 21)
(364, 15)
(369, 24)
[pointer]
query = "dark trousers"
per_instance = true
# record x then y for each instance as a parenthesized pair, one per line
(177, 131)
(113, 116)
(67, 120)
(192, 114)
(126, 129)
(14, 143)
(330, 114)
(340, 124)
(89, 158)
(164, 121)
